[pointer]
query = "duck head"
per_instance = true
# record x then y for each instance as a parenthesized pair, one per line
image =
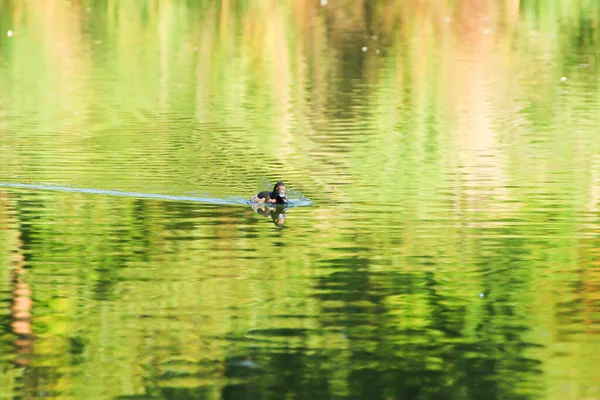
(279, 193)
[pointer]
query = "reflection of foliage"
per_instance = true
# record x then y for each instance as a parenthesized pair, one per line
(216, 66)
(416, 344)
(174, 300)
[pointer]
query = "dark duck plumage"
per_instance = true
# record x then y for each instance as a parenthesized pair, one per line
(277, 196)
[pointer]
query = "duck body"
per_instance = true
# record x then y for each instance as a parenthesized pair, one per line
(277, 196)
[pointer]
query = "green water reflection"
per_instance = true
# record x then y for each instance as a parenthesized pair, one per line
(450, 149)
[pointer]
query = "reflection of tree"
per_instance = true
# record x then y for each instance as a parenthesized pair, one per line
(405, 335)
(163, 271)
(433, 354)
(41, 350)
(21, 294)
(21, 308)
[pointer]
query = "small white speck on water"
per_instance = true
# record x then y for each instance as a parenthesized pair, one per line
(377, 52)
(364, 49)
(9, 33)
(481, 295)
(323, 3)
(486, 31)
(563, 79)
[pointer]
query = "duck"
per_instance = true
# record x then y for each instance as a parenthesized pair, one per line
(277, 196)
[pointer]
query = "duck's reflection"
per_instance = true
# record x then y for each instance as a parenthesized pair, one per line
(275, 211)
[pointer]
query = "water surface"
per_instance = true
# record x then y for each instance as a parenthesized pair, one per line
(445, 157)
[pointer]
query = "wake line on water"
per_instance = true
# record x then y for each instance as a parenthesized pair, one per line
(207, 200)
(210, 200)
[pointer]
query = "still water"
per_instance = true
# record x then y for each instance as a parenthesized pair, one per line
(444, 162)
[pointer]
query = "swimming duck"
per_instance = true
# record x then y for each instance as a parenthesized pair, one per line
(277, 196)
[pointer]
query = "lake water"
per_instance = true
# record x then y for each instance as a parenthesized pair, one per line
(444, 164)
